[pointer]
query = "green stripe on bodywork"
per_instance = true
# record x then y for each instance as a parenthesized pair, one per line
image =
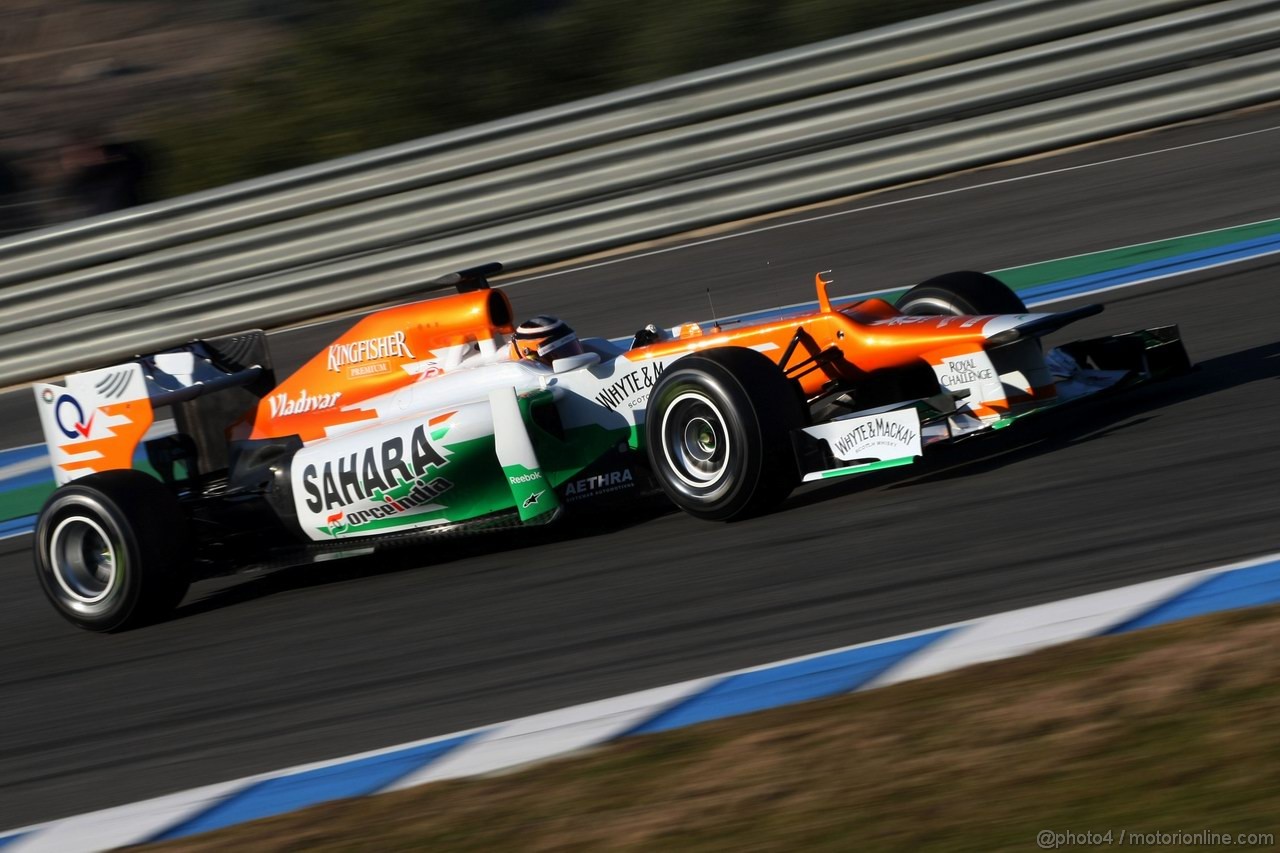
(480, 487)
(531, 492)
(870, 466)
(563, 457)
(583, 445)
(477, 488)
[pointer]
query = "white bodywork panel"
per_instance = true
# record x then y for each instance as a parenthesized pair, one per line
(871, 437)
(972, 372)
(94, 423)
(390, 468)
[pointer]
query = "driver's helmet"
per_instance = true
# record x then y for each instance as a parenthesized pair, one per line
(544, 338)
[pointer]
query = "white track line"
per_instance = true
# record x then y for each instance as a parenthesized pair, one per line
(893, 202)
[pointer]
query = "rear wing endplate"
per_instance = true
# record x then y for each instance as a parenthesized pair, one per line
(95, 420)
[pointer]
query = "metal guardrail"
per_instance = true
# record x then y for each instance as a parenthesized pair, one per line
(952, 91)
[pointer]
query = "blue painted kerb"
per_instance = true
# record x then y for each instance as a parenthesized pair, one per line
(789, 683)
(311, 787)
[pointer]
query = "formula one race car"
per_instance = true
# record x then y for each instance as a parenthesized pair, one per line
(443, 417)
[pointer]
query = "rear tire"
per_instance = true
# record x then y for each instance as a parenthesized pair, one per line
(961, 293)
(718, 433)
(112, 550)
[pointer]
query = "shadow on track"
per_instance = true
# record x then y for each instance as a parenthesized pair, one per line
(1088, 421)
(417, 555)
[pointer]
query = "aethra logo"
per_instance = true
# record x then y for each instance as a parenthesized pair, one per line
(68, 407)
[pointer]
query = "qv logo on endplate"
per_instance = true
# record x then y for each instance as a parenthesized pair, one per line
(69, 408)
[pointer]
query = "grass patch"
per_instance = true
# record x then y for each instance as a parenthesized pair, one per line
(27, 500)
(1166, 730)
(15, 503)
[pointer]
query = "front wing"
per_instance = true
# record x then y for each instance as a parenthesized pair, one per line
(898, 434)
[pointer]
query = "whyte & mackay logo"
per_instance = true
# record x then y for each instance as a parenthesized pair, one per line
(629, 385)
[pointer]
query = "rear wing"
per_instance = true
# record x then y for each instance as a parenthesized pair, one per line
(95, 420)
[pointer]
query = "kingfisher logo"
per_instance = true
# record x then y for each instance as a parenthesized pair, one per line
(369, 349)
(68, 414)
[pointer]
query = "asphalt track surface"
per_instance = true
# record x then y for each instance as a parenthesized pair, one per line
(258, 673)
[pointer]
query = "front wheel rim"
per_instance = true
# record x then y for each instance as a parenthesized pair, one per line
(695, 441)
(931, 306)
(83, 559)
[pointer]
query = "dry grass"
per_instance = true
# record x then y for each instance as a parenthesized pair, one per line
(1165, 730)
(65, 64)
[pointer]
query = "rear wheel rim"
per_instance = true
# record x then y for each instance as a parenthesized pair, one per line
(83, 559)
(695, 441)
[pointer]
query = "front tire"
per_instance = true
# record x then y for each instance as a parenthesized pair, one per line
(718, 433)
(961, 293)
(112, 551)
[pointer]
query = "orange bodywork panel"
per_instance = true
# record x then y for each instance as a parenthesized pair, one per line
(870, 335)
(384, 351)
(114, 449)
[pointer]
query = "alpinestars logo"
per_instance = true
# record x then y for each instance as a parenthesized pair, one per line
(533, 499)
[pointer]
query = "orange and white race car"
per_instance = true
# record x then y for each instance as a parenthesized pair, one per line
(445, 416)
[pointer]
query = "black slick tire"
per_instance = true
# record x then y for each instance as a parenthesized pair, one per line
(718, 433)
(961, 293)
(112, 550)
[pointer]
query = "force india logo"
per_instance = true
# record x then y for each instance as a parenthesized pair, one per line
(369, 349)
(395, 477)
(404, 497)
